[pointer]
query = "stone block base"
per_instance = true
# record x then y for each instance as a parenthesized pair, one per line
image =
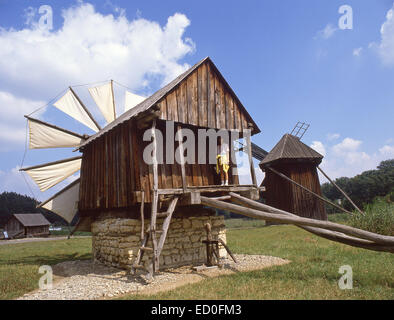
(116, 241)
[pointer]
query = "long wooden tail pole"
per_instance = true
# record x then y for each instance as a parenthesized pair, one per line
(258, 214)
(327, 234)
(340, 190)
(307, 190)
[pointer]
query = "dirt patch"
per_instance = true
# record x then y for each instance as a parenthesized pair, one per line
(86, 280)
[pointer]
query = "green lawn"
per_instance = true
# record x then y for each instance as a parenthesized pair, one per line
(313, 273)
(19, 263)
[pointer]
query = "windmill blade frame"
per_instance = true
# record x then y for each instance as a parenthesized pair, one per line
(50, 174)
(64, 203)
(72, 105)
(44, 135)
(104, 98)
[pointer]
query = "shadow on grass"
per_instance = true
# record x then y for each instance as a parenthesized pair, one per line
(47, 259)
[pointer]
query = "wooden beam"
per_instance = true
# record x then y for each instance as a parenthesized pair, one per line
(182, 157)
(327, 234)
(249, 147)
(50, 163)
(142, 215)
(83, 137)
(113, 98)
(86, 109)
(340, 190)
(155, 198)
(282, 218)
(307, 190)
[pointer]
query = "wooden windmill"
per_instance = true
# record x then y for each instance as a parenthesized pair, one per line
(114, 174)
(290, 158)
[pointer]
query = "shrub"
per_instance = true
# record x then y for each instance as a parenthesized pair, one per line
(378, 218)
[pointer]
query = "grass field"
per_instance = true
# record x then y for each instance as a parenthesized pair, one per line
(313, 273)
(19, 263)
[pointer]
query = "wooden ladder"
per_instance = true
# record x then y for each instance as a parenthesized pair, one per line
(151, 233)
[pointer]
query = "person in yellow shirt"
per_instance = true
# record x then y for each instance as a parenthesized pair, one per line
(222, 161)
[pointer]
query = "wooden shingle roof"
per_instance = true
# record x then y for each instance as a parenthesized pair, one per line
(290, 147)
(154, 98)
(31, 219)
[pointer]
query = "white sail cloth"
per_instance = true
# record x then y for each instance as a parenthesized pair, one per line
(65, 202)
(70, 105)
(104, 98)
(42, 135)
(50, 174)
(131, 100)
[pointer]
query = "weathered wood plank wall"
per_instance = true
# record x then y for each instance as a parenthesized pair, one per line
(113, 166)
(283, 195)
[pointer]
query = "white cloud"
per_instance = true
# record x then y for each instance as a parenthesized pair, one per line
(357, 51)
(347, 145)
(327, 32)
(386, 45)
(332, 136)
(36, 64)
(319, 147)
(347, 159)
(12, 122)
(387, 151)
(92, 47)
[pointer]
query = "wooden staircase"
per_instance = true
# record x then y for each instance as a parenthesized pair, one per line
(152, 233)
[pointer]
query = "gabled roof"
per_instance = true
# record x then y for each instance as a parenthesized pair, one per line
(290, 147)
(31, 219)
(154, 98)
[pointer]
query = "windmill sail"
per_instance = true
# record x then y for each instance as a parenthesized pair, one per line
(131, 100)
(49, 174)
(72, 106)
(104, 98)
(65, 202)
(45, 135)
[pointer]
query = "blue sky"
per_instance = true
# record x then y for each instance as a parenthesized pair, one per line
(286, 60)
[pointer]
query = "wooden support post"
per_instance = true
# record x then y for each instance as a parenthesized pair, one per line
(233, 161)
(182, 157)
(307, 190)
(142, 215)
(340, 190)
(249, 148)
(155, 198)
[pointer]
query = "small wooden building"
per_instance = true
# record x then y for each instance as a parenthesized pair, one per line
(27, 225)
(297, 161)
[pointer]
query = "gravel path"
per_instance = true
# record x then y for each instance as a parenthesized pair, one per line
(85, 280)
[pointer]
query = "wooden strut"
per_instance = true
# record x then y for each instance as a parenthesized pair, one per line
(86, 109)
(340, 190)
(142, 215)
(157, 244)
(249, 148)
(386, 242)
(307, 190)
(327, 234)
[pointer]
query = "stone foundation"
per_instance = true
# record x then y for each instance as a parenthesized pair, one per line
(116, 241)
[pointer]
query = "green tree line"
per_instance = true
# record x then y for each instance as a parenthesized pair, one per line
(363, 188)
